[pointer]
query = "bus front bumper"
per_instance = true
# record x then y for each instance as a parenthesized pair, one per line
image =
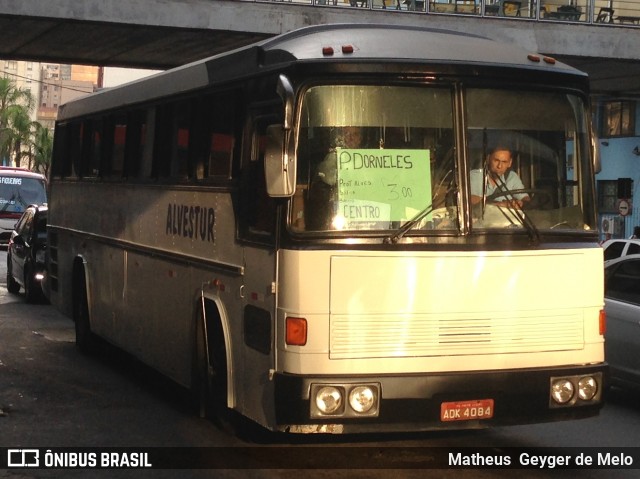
(437, 401)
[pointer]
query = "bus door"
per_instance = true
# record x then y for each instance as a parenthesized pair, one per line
(257, 230)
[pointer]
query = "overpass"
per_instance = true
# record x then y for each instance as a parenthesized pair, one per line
(161, 34)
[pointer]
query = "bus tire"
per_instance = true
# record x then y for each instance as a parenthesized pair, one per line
(212, 371)
(84, 336)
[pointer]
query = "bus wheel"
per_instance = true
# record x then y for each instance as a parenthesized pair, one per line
(84, 336)
(212, 374)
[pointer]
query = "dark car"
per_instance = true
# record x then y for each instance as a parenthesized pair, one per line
(622, 306)
(26, 253)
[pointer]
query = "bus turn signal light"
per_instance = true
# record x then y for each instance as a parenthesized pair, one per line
(603, 322)
(296, 331)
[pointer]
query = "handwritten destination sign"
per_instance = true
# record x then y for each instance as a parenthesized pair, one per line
(380, 186)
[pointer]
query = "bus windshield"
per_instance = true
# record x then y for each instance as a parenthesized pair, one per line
(16, 193)
(381, 158)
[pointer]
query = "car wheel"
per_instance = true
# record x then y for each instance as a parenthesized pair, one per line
(32, 289)
(12, 286)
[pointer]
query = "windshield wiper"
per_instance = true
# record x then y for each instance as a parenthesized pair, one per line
(515, 210)
(400, 232)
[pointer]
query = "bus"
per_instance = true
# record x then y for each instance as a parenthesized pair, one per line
(19, 188)
(288, 230)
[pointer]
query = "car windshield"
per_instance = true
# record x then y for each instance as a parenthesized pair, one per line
(384, 159)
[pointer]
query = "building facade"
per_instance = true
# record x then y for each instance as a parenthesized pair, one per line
(617, 121)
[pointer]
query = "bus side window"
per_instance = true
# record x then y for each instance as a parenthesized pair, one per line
(180, 141)
(162, 142)
(105, 153)
(212, 136)
(147, 142)
(258, 209)
(92, 146)
(223, 135)
(61, 164)
(117, 154)
(134, 142)
(76, 149)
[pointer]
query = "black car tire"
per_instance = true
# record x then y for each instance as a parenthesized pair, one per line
(12, 286)
(32, 290)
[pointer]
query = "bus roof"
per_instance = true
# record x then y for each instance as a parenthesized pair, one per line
(344, 43)
(15, 171)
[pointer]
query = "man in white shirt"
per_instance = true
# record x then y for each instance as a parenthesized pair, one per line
(499, 178)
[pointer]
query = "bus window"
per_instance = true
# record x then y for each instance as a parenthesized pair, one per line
(77, 142)
(545, 135)
(119, 138)
(162, 141)
(61, 165)
(93, 141)
(375, 157)
(223, 135)
(258, 220)
(135, 138)
(181, 135)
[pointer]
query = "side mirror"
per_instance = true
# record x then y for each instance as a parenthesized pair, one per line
(279, 169)
(19, 242)
(279, 161)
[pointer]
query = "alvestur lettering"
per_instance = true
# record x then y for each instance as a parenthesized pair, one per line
(189, 221)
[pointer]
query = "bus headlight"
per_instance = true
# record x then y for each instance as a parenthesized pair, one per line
(576, 390)
(362, 399)
(329, 400)
(562, 390)
(344, 400)
(587, 388)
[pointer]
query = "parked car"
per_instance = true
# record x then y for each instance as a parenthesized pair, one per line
(616, 248)
(26, 253)
(622, 306)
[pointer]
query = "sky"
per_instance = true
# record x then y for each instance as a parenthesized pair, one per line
(117, 76)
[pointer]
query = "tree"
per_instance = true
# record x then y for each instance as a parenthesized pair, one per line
(20, 137)
(16, 105)
(42, 149)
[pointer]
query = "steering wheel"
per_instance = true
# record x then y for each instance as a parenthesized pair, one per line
(541, 197)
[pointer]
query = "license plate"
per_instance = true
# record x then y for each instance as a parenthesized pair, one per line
(466, 410)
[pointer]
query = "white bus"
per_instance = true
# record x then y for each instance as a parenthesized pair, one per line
(19, 188)
(289, 229)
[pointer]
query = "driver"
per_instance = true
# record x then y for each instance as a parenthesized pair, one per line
(499, 178)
